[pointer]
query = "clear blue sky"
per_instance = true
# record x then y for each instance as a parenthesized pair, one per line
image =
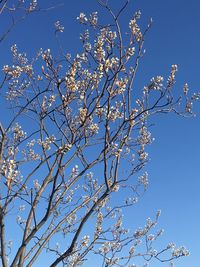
(174, 169)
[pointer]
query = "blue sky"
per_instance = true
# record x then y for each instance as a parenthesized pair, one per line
(174, 167)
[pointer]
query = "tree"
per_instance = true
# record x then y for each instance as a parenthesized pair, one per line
(75, 123)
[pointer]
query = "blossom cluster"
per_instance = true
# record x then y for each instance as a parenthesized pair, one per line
(171, 79)
(10, 170)
(46, 144)
(134, 28)
(143, 179)
(18, 133)
(33, 5)
(58, 26)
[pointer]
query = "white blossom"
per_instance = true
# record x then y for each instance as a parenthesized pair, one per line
(82, 18)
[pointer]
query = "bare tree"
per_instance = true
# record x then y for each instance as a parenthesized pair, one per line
(75, 123)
